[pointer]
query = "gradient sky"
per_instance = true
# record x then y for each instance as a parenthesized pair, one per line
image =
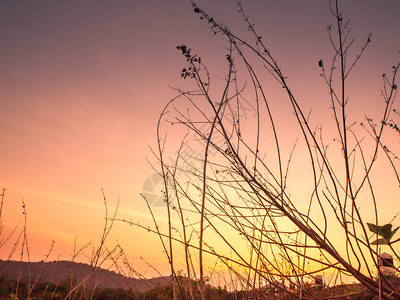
(82, 84)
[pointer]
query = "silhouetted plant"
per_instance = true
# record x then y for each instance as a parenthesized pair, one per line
(234, 185)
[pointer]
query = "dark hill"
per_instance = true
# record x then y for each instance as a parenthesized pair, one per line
(61, 272)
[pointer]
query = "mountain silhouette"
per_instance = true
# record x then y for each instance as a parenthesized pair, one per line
(74, 273)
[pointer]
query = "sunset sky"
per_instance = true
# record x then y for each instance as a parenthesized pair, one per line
(82, 84)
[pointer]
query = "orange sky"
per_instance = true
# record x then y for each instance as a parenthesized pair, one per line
(82, 84)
